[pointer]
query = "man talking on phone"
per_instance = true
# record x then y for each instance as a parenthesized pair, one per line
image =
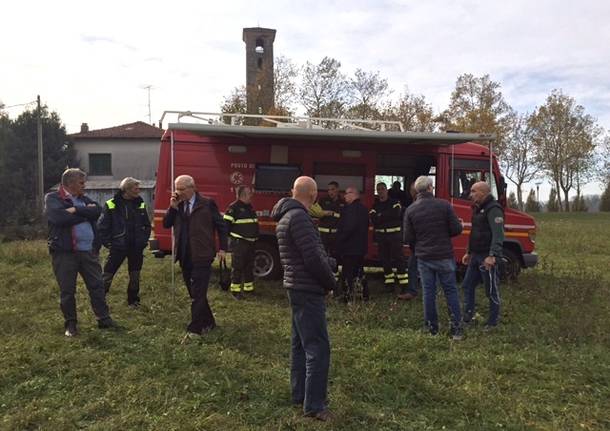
(195, 220)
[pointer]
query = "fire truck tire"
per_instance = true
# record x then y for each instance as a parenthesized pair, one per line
(267, 265)
(510, 265)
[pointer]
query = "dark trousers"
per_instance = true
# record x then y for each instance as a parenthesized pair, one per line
(392, 256)
(412, 286)
(329, 241)
(310, 351)
(242, 265)
(66, 266)
(115, 259)
(475, 274)
(352, 269)
(197, 278)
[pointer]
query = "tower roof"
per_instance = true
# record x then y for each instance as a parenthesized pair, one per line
(259, 31)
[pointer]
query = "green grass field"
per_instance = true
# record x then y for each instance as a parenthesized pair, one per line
(546, 368)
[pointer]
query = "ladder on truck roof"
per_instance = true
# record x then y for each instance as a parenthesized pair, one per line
(286, 121)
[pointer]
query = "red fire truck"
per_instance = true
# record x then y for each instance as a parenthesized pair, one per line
(220, 153)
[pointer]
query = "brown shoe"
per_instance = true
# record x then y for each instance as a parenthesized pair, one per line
(406, 296)
(324, 415)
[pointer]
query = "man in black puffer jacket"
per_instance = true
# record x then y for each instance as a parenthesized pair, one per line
(429, 224)
(124, 229)
(308, 277)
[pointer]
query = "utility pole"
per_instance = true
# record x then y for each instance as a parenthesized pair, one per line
(40, 166)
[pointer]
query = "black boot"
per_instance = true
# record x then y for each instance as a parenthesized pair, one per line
(133, 289)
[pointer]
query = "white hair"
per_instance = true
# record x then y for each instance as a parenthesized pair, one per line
(423, 184)
(127, 183)
(187, 180)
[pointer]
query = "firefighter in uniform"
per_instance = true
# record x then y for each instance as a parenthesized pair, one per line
(124, 228)
(243, 232)
(328, 211)
(484, 251)
(386, 218)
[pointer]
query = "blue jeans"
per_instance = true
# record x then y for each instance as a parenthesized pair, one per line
(310, 355)
(475, 274)
(444, 269)
(412, 270)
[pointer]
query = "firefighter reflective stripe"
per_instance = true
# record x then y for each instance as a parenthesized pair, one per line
(326, 230)
(245, 220)
(396, 205)
(236, 287)
(403, 278)
(236, 235)
(228, 218)
(388, 230)
(389, 278)
(142, 206)
(249, 286)
(336, 215)
(111, 204)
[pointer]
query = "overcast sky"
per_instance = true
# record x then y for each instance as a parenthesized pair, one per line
(90, 62)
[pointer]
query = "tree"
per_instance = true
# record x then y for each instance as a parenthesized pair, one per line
(18, 177)
(235, 103)
(413, 112)
(517, 162)
(603, 174)
(564, 140)
(324, 91)
(285, 73)
(368, 90)
(604, 203)
(532, 205)
(553, 205)
(579, 204)
(512, 201)
(478, 106)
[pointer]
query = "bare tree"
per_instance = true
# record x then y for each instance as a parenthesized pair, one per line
(415, 114)
(285, 73)
(518, 162)
(368, 90)
(478, 106)
(324, 91)
(565, 139)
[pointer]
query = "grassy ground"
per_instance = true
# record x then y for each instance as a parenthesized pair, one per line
(547, 367)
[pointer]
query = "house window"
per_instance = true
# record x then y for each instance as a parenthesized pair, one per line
(100, 164)
(275, 178)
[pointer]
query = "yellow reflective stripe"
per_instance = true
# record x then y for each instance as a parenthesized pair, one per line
(235, 287)
(326, 230)
(389, 280)
(229, 218)
(388, 230)
(402, 275)
(396, 205)
(236, 235)
(142, 206)
(248, 287)
(403, 281)
(111, 204)
(246, 220)
(389, 275)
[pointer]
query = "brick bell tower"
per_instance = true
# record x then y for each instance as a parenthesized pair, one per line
(259, 69)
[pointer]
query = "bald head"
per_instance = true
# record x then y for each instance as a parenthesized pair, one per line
(479, 191)
(351, 194)
(305, 190)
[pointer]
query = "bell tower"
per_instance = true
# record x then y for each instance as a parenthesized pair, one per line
(259, 69)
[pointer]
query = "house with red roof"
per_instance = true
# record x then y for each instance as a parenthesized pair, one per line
(111, 154)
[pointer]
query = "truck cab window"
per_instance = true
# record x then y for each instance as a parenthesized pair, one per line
(468, 172)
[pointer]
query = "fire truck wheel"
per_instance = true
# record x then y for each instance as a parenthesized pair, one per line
(267, 261)
(510, 266)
